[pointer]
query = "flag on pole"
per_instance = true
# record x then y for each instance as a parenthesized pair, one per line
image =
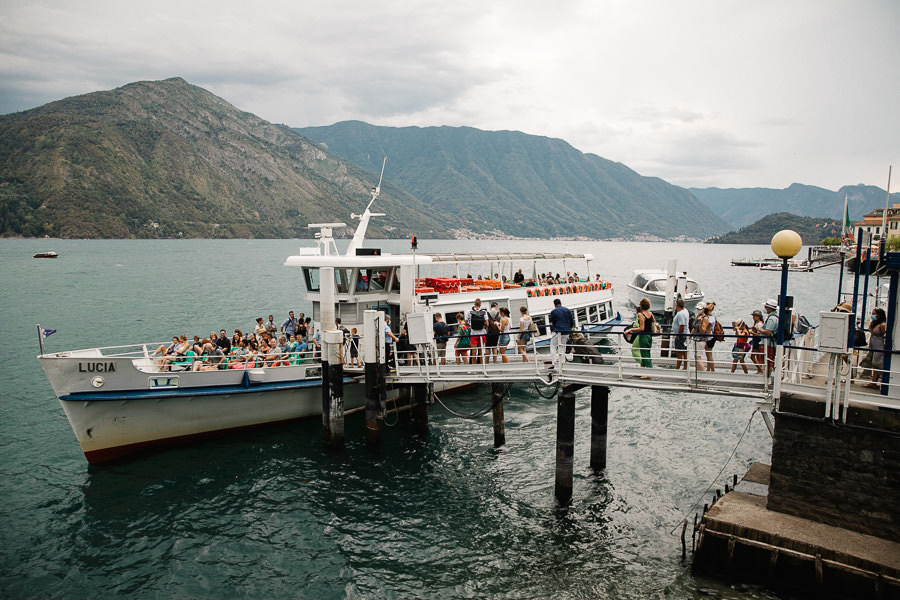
(45, 333)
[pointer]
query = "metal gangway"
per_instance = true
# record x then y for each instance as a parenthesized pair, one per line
(804, 366)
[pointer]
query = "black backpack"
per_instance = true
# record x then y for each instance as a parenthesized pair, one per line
(440, 332)
(477, 319)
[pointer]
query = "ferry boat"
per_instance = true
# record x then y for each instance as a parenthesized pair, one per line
(651, 284)
(121, 400)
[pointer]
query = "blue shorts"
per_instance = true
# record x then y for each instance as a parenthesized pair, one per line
(680, 344)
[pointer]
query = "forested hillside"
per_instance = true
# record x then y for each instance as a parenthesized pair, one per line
(813, 230)
(524, 185)
(169, 159)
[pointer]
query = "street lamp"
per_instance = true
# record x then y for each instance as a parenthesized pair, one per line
(785, 244)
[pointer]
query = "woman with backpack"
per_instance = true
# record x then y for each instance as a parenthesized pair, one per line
(525, 332)
(708, 325)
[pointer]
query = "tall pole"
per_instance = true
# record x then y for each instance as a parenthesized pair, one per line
(782, 302)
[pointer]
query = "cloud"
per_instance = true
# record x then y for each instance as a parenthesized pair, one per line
(728, 94)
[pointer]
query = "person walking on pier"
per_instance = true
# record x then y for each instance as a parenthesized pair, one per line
(769, 329)
(643, 338)
(562, 321)
(525, 333)
(756, 351)
(680, 328)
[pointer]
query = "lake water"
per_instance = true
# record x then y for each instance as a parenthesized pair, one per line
(272, 514)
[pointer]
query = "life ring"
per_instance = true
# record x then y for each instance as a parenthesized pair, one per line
(530, 293)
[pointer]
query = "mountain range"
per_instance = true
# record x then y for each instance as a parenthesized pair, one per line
(521, 185)
(170, 159)
(741, 207)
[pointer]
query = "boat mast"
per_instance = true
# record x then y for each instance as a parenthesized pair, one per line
(360, 234)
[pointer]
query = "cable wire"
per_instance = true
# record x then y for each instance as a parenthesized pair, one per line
(716, 478)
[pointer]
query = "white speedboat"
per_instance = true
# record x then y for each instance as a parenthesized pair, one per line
(122, 400)
(652, 284)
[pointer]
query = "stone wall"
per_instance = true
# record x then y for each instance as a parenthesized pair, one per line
(847, 475)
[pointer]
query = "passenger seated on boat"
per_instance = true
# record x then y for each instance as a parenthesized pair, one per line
(177, 348)
(285, 352)
(236, 338)
(240, 354)
(167, 350)
(298, 350)
(213, 357)
(224, 343)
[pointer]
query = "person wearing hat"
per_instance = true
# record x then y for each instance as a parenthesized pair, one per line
(756, 352)
(769, 330)
(844, 307)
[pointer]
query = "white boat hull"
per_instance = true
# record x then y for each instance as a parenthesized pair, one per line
(117, 409)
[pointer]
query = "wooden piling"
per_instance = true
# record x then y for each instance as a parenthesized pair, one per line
(333, 389)
(599, 425)
(497, 393)
(422, 393)
(404, 399)
(565, 444)
(372, 350)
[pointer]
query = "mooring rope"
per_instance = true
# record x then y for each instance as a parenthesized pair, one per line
(479, 413)
(555, 390)
(716, 478)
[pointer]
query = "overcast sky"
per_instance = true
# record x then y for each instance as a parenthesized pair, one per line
(700, 93)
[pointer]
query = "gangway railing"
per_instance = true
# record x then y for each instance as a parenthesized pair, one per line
(798, 367)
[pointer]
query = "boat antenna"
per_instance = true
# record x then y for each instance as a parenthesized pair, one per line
(360, 235)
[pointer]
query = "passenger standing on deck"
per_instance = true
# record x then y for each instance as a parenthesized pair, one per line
(504, 333)
(440, 337)
(769, 329)
(271, 327)
(260, 328)
(289, 325)
(562, 321)
(477, 320)
(680, 328)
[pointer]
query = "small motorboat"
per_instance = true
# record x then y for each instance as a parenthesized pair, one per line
(46, 255)
(651, 284)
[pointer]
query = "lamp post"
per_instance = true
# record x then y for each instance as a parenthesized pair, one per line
(785, 244)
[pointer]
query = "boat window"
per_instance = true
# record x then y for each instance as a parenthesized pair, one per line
(603, 311)
(311, 276)
(592, 314)
(581, 316)
(376, 278)
(362, 281)
(395, 280)
(640, 281)
(342, 280)
(657, 285)
(692, 287)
